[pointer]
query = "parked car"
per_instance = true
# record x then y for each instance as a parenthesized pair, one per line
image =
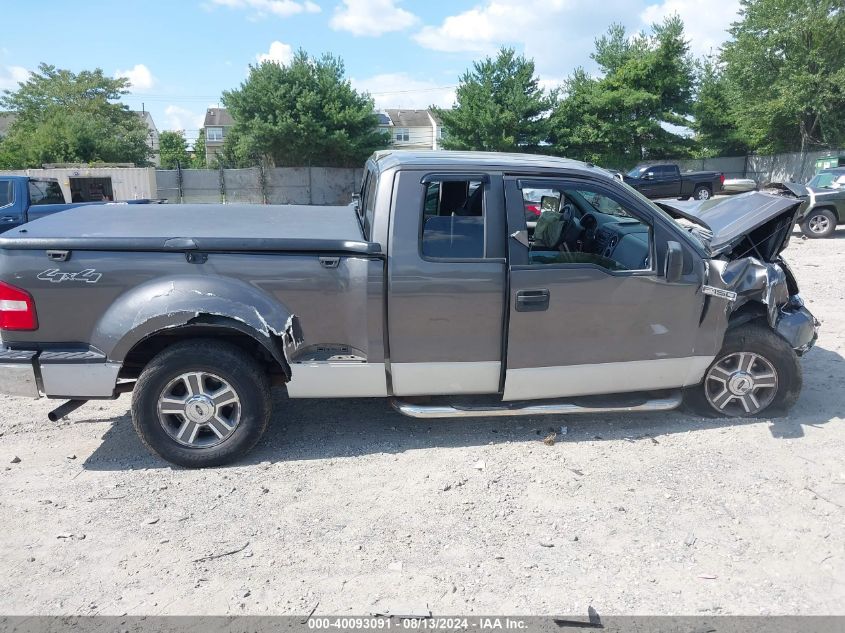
(667, 181)
(23, 199)
(739, 185)
(825, 207)
(434, 284)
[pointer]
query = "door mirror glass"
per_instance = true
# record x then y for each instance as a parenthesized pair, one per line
(674, 262)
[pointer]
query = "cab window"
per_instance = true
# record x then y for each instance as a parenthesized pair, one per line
(45, 192)
(453, 219)
(585, 225)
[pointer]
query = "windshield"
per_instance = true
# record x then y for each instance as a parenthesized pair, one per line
(827, 180)
(636, 171)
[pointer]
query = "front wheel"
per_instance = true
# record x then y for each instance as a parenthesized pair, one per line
(755, 374)
(819, 223)
(702, 192)
(201, 403)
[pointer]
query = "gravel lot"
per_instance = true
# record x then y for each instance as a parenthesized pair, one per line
(350, 508)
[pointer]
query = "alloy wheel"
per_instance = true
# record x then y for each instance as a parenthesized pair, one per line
(741, 383)
(818, 224)
(199, 409)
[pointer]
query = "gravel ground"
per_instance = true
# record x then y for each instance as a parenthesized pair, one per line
(350, 508)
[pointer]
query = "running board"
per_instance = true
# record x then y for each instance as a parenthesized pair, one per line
(554, 408)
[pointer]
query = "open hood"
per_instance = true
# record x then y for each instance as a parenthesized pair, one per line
(751, 224)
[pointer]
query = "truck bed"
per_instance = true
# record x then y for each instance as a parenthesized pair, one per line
(208, 227)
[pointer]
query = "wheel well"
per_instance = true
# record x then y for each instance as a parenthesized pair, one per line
(751, 311)
(699, 185)
(832, 209)
(144, 351)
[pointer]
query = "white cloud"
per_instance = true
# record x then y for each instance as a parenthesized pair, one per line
(399, 90)
(263, 8)
(139, 76)
(371, 17)
(706, 30)
(559, 34)
(11, 76)
(179, 118)
(280, 53)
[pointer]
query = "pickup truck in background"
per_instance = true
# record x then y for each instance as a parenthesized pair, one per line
(667, 181)
(23, 199)
(434, 290)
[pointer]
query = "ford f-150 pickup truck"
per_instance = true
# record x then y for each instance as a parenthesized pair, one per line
(667, 181)
(434, 289)
(23, 199)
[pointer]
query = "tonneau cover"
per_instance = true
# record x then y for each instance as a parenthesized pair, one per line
(207, 227)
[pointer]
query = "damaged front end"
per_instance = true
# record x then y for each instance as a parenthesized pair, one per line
(744, 236)
(752, 287)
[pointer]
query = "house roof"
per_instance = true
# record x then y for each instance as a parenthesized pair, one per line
(409, 118)
(383, 119)
(6, 119)
(218, 117)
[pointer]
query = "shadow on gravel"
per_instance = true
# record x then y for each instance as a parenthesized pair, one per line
(325, 429)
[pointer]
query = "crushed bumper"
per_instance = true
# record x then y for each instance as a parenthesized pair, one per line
(797, 325)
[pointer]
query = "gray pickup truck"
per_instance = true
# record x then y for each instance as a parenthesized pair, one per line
(435, 289)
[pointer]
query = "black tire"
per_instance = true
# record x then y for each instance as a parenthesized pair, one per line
(819, 223)
(237, 371)
(758, 339)
(702, 192)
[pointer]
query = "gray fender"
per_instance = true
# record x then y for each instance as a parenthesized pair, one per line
(174, 302)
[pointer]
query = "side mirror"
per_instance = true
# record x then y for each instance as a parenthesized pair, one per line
(674, 262)
(649, 175)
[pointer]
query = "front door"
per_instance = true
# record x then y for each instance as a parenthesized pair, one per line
(590, 311)
(447, 277)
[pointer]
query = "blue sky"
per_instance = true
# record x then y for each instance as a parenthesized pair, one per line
(181, 54)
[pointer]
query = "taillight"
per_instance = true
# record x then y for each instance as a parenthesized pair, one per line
(722, 178)
(17, 309)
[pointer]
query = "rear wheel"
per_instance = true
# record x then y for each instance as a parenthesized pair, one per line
(755, 374)
(702, 192)
(201, 403)
(819, 223)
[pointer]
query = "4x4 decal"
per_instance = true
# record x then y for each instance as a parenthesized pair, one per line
(54, 275)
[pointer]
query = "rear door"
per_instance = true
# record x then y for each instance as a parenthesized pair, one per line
(447, 279)
(594, 314)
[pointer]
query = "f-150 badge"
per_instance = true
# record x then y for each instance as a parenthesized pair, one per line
(719, 292)
(54, 275)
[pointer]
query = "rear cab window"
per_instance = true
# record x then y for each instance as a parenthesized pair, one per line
(453, 218)
(45, 192)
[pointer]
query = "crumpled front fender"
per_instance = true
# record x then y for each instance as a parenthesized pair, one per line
(750, 280)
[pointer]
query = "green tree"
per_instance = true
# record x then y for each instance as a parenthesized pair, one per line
(304, 113)
(500, 107)
(785, 71)
(714, 117)
(66, 117)
(173, 149)
(198, 159)
(634, 110)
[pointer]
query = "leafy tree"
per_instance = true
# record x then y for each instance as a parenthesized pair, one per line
(716, 131)
(198, 160)
(173, 149)
(304, 113)
(68, 117)
(635, 109)
(785, 70)
(500, 107)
